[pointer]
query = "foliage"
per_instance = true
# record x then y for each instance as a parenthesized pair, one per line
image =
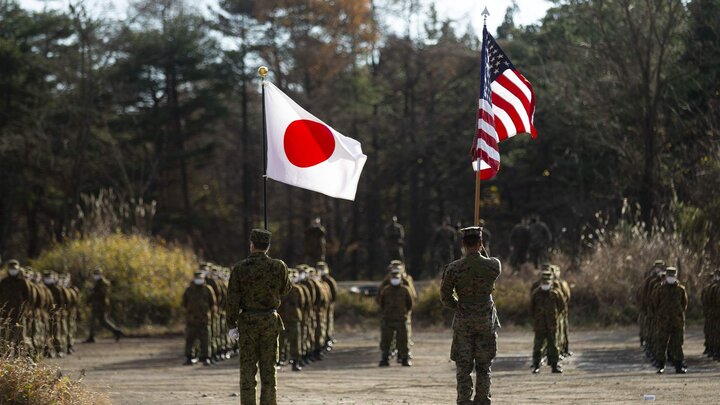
(25, 382)
(148, 276)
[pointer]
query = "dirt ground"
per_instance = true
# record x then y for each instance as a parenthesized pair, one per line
(607, 367)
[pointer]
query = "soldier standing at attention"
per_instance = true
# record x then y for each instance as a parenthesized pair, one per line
(395, 301)
(57, 314)
(256, 287)
(14, 304)
(324, 270)
(671, 301)
(100, 301)
(315, 243)
(474, 345)
(443, 244)
(395, 240)
(199, 301)
(546, 306)
(290, 312)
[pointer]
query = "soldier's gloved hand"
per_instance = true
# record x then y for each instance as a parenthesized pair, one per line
(234, 334)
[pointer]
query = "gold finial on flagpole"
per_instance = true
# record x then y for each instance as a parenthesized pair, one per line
(263, 71)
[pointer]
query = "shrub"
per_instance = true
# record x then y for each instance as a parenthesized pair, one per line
(429, 310)
(351, 308)
(148, 276)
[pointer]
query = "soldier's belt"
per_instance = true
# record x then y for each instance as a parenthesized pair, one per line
(258, 311)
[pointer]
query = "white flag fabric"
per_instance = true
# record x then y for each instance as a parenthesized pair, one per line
(305, 152)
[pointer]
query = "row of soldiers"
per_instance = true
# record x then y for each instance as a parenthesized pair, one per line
(662, 302)
(308, 315)
(549, 303)
(710, 298)
(206, 328)
(39, 311)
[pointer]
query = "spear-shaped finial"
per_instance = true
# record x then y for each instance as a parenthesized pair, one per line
(485, 15)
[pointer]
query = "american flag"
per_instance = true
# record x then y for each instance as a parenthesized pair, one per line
(506, 107)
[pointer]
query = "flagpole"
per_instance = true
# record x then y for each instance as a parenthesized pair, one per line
(485, 15)
(262, 72)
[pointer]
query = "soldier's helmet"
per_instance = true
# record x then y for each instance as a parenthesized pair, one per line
(322, 266)
(659, 263)
(396, 267)
(12, 263)
(671, 272)
(546, 266)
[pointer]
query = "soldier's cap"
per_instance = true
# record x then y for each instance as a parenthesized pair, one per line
(659, 263)
(471, 231)
(199, 273)
(13, 263)
(260, 236)
(396, 263)
(671, 272)
(204, 265)
(321, 266)
(49, 273)
(546, 275)
(310, 270)
(302, 267)
(546, 266)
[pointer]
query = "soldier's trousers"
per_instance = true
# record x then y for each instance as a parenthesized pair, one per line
(330, 323)
(37, 333)
(398, 330)
(258, 344)
(71, 329)
(57, 332)
(545, 339)
(292, 340)
(473, 351)
(320, 329)
(670, 341)
(197, 332)
(102, 317)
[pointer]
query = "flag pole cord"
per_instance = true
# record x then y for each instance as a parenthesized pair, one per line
(263, 71)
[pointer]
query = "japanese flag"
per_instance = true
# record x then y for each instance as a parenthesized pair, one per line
(305, 152)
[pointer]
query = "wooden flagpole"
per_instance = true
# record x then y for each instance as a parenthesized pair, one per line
(262, 72)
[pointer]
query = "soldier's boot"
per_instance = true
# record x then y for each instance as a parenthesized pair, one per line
(385, 362)
(680, 368)
(406, 363)
(661, 368)
(535, 368)
(189, 361)
(556, 368)
(70, 350)
(90, 339)
(206, 362)
(295, 365)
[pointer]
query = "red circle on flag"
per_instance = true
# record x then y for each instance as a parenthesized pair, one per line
(308, 143)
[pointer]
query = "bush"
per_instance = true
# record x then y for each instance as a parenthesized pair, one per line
(352, 309)
(429, 310)
(148, 276)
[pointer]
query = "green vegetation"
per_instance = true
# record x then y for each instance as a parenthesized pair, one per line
(148, 276)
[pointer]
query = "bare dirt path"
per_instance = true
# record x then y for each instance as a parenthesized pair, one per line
(608, 367)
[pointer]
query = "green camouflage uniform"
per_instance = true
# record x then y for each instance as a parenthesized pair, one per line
(99, 299)
(57, 316)
(670, 301)
(199, 302)
(14, 303)
(290, 313)
(711, 310)
(474, 344)
(546, 308)
(256, 287)
(333, 289)
(396, 302)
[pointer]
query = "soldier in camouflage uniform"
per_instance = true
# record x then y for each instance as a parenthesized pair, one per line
(15, 294)
(474, 346)
(309, 313)
(324, 270)
(315, 243)
(564, 288)
(199, 302)
(291, 315)
(710, 298)
(670, 300)
(443, 244)
(99, 299)
(546, 306)
(256, 287)
(395, 240)
(396, 302)
(641, 299)
(220, 295)
(56, 329)
(72, 312)
(322, 304)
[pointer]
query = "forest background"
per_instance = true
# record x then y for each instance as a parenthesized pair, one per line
(158, 116)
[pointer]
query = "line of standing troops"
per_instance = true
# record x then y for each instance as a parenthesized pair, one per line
(206, 328)
(39, 312)
(549, 303)
(662, 302)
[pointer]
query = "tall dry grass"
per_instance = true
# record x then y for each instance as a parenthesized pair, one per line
(148, 276)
